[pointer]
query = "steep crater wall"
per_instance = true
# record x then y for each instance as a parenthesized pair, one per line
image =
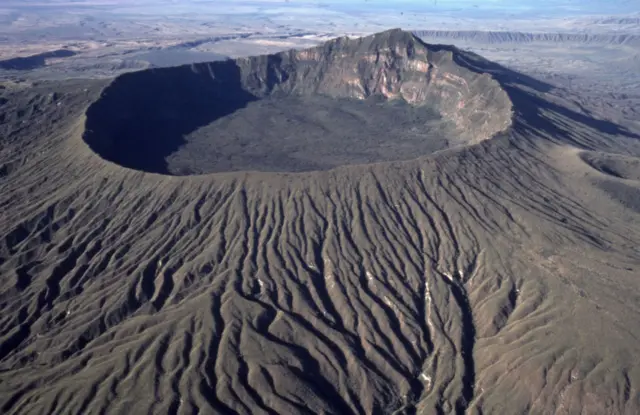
(144, 120)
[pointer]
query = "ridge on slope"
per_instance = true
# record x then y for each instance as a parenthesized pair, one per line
(142, 118)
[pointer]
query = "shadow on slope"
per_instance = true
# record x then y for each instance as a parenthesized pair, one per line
(142, 117)
(529, 105)
(34, 61)
(618, 166)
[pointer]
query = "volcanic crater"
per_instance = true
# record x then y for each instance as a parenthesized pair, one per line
(384, 97)
(439, 285)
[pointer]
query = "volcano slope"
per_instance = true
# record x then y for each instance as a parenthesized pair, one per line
(499, 275)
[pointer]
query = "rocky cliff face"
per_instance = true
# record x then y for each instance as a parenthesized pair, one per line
(393, 64)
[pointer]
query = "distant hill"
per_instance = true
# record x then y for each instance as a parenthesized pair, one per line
(523, 37)
(34, 61)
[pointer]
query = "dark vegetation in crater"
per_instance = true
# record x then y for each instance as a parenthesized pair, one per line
(306, 133)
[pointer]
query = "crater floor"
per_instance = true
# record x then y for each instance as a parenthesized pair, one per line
(305, 133)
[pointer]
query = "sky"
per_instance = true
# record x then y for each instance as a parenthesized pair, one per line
(410, 14)
(551, 7)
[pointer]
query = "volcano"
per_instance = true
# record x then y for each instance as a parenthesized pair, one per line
(374, 225)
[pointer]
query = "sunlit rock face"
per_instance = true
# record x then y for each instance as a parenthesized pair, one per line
(393, 64)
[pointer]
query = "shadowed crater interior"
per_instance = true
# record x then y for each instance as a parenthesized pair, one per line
(350, 101)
